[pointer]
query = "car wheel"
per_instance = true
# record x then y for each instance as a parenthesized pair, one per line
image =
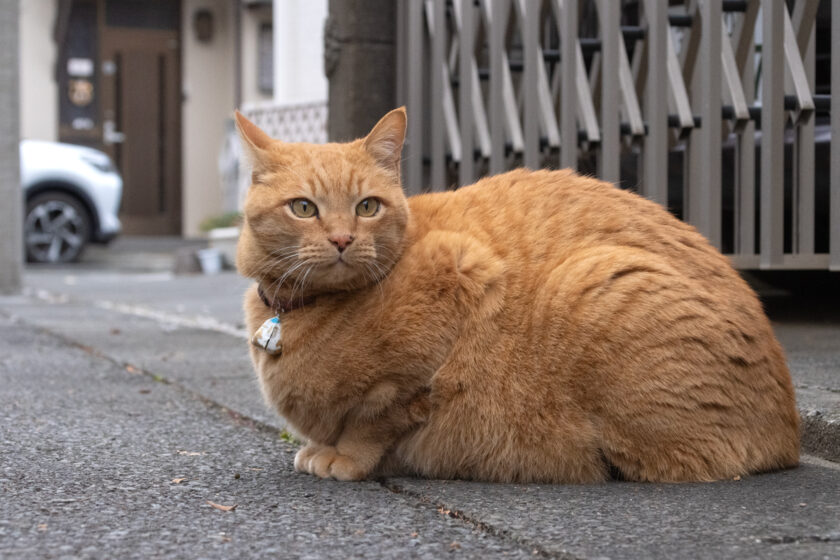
(56, 228)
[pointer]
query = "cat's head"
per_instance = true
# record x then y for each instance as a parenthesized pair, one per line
(322, 218)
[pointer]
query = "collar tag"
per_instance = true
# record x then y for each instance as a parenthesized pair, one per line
(267, 337)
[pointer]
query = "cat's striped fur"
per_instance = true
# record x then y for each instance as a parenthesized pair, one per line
(535, 326)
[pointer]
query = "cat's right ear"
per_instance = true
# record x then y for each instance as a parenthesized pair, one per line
(255, 142)
(385, 141)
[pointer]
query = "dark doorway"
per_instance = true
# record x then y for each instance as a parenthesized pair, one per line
(141, 111)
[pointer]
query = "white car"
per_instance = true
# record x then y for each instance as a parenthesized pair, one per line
(72, 196)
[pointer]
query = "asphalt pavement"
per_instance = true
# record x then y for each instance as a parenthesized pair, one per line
(131, 426)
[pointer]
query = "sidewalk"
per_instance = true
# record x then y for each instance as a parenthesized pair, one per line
(128, 401)
(136, 253)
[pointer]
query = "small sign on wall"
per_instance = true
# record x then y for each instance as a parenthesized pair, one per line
(82, 123)
(80, 92)
(80, 67)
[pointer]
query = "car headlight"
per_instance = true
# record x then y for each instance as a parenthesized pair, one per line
(99, 161)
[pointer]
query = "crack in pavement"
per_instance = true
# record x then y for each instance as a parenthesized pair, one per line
(243, 420)
(788, 539)
(535, 549)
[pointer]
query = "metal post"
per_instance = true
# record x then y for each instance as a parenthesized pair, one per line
(834, 215)
(804, 154)
(745, 168)
(655, 179)
(498, 26)
(744, 37)
(772, 133)
(466, 172)
(608, 162)
(568, 88)
(678, 99)
(705, 192)
(438, 69)
(11, 209)
(413, 153)
(531, 13)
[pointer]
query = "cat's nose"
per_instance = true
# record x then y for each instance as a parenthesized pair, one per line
(341, 241)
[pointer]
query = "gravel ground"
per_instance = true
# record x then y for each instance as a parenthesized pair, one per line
(128, 402)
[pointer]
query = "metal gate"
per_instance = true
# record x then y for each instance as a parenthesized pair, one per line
(712, 108)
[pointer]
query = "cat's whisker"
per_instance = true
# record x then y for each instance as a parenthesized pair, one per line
(306, 277)
(280, 252)
(279, 282)
(272, 260)
(301, 279)
(270, 270)
(279, 256)
(377, 279)
(385, 252)
(385, 263)
(281, 259)
(289, 272)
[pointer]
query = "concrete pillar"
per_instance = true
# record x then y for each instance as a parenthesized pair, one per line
(360, 62)
(11, 209)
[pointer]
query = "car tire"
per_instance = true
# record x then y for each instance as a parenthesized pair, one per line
(57, 227)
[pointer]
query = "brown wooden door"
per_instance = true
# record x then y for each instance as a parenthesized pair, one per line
(141, 118)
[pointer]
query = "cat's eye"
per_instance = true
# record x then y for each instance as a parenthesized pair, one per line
(303, 208)
(367, 208)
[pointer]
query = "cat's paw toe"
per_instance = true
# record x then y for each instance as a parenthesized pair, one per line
(346, 468)
(326, 462)
(319, 463)
(304, 456)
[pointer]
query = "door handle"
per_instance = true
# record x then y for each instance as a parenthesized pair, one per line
(110, 135)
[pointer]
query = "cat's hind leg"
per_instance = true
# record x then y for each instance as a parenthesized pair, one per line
(682, 373)
(696, 427)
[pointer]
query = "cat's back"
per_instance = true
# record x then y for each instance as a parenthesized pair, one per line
(519, 201)
(537, 219)
(595, 250)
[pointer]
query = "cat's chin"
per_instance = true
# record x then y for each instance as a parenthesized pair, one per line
(341, 276)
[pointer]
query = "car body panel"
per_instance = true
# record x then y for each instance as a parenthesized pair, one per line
(83, 172)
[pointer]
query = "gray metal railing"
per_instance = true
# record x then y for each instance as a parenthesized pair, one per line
(301, 122)
(696, 105)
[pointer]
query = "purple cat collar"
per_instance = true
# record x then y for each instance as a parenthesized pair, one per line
(284, 306)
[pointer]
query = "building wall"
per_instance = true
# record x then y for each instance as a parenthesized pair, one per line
(38, 90)
(299, 51)
(208, 86)
(252, 20)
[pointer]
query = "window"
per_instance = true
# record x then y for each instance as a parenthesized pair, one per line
(265, 59)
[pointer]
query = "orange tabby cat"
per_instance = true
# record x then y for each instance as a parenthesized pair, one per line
(535, 326)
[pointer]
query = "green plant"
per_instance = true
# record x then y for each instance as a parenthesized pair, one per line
(228, 219)
(289, 438)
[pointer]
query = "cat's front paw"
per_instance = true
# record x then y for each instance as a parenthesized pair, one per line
(326, 462)
(304, 456)
(346, 468)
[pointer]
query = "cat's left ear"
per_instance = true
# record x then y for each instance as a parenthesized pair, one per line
(385, 141)
(255, 142)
